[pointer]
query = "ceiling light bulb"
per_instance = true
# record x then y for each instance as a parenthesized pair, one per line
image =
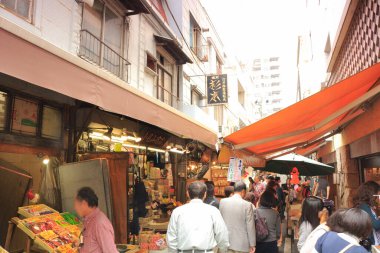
(45, 160)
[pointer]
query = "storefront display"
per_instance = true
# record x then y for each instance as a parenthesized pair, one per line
(219, 177)
(54, 232)
(35, 210)
(152, 242)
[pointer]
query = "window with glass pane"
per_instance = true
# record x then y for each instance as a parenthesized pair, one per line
(24, 116)
(22, 8)
(51, 123)
(92, 26)
(101, 37)
(165, 91)
(112, 37)
(3, 110)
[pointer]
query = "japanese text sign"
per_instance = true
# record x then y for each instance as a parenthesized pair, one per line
(217, 89)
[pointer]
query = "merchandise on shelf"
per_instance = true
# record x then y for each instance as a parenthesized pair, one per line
(53, 232)
(35, 210)
(151, 241)
(219, 177)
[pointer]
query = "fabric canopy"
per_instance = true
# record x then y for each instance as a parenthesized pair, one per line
(311, 118)
(75, 78)
(305, 166)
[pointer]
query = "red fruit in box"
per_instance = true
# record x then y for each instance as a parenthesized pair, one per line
(36, 229)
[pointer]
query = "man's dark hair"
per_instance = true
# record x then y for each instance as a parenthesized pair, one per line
(270, 177)
(277, 179)
(373, 185)
(197, 190)
(228, 190)
(268, 199)
(334, 222)
(357, 222)
(250, 197)
(240, 186)
(365, 194)
(210, 188)
(87, 194)
(272, 185)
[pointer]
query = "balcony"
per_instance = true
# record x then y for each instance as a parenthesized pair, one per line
(201, 52)
(96, 51)
(199, 115)
(166, 96)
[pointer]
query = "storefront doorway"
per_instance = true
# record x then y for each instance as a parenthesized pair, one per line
(370, 169)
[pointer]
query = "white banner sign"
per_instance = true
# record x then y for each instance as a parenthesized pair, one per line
(235, 169)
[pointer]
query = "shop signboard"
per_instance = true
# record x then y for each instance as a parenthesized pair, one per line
(24, 117)
(153, 137)
(235, 169)
(217, 89)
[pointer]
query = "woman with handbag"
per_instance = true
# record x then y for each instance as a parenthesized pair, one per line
(268, 224)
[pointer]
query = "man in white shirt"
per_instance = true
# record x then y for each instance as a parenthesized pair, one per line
(196, 227)
(238, 216)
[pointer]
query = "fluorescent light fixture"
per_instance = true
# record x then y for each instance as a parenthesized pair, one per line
(157, 150)
(117, 139)
(133, 146)
(175, 150)
(130, 138)
(96, 135)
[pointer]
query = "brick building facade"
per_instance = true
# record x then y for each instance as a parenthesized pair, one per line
(361, 46)
(358, 143)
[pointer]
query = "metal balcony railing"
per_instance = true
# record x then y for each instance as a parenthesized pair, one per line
(96, 51)
(201, 52)
(166, 96)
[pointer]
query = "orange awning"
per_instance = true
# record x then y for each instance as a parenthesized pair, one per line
(311, 118)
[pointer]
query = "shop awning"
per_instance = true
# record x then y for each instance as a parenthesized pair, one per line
(174, 49)
(135, 6)
(311, 118)
(52, 68)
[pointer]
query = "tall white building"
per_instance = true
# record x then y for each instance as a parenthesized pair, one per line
(267, 86)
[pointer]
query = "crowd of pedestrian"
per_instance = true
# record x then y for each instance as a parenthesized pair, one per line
(249, 218)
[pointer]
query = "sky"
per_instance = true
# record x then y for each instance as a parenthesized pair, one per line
(260, 28)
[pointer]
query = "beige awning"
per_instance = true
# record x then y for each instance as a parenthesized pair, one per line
(74, 77)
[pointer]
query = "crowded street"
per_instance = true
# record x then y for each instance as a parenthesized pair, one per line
(189, 126)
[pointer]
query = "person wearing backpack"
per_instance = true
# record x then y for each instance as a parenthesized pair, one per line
(268, 224)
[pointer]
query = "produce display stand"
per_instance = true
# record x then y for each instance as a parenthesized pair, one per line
(2, 250)
(62, 233)
(35, 210)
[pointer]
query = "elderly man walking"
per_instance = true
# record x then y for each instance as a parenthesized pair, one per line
(239, 218)
(196, 227)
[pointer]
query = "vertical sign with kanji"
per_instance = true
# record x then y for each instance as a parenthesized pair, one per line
(235, 169)
(217, 89)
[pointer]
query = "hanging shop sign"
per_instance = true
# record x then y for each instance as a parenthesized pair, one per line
(217, 89)
(235, 169)
(153, 137)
